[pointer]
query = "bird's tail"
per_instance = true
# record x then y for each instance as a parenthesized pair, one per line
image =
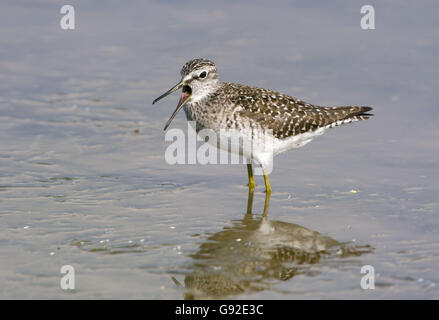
(348, 114)
(357, 112)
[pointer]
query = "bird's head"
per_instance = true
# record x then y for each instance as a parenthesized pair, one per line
(198, 79)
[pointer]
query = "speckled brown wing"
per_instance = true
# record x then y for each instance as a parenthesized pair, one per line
(287, 116)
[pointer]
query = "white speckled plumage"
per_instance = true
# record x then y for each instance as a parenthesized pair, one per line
(251, 112)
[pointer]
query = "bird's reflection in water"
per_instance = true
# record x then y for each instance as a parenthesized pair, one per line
(254, 252)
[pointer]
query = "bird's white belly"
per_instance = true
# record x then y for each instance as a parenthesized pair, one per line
(297, 141)
(255, 145)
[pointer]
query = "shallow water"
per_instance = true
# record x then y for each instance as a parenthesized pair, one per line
(84, 182)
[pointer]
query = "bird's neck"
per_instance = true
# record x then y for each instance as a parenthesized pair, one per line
(202, 94)
(199, 105)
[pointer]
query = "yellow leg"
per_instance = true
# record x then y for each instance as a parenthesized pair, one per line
(267, 182)
(251, 179)
(250, 201)
(266, 204)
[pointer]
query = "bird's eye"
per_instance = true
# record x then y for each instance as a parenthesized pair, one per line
(203, 74)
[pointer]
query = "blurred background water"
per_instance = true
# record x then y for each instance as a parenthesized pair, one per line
(84, 182)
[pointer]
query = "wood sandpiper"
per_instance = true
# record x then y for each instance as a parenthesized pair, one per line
(251, 113)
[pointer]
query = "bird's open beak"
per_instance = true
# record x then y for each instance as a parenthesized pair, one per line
(185, 97)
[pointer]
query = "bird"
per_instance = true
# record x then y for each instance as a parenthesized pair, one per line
(258, 116)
